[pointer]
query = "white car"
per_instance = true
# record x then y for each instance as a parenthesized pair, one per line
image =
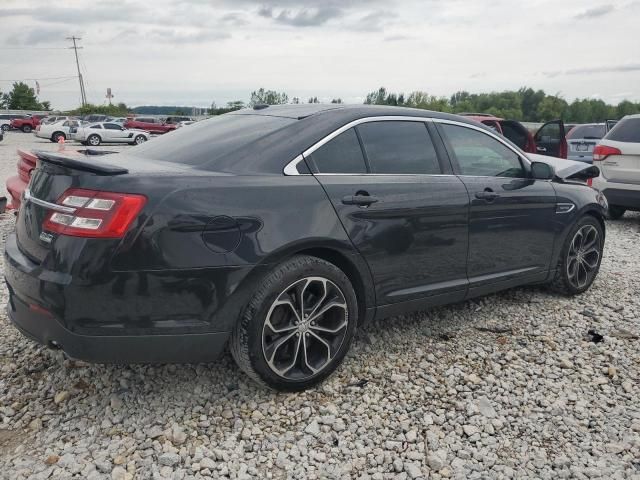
(55, 131)
(105, 132)
(618, 158)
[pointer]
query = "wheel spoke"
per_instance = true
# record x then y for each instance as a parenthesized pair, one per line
(327, 307)
(328, 347)
(591, 261)
(296, 350)
(320, 300)
(318, 328)
(279, 343)
(306, 355)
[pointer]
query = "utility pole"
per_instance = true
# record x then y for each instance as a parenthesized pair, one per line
(75, 47)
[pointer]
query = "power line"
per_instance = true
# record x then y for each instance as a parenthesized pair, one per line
(39, 78)
(34, 48)
(75, 49)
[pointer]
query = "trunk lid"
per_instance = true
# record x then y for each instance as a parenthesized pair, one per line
(56, 172)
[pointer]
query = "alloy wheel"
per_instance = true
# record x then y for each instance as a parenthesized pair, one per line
(305, 328)
(583, 257)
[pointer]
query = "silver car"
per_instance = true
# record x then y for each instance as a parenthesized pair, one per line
(582, 139)
(105, 132)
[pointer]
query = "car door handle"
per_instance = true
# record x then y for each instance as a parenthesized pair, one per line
(487, 195)
(541, 149)
(360, 200)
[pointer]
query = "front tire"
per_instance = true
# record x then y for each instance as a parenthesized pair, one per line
(298, 326)
(26, 128)
(139, 139)
(93, 140)
(615, 212)
(580, 257)
(5, 128)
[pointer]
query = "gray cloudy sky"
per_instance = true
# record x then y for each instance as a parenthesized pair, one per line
(195, 51)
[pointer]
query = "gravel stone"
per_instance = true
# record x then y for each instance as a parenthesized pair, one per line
(426, 395)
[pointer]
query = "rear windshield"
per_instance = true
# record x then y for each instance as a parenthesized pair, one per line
(626, 130)
(595, 132)
(210, 139)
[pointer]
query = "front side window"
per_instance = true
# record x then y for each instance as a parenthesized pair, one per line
(479, 154)
(399, 147)
(112, 126)
(341, 154)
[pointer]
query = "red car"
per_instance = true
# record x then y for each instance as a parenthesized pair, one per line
(150, 124)
(26, 164)
(550, 139)
(17, 184)
(27, 124)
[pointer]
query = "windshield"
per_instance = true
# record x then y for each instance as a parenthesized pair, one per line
(595, 132)
(210, 139)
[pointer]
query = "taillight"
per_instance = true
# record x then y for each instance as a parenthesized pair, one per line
(600, 152)
(590, 182)
(96, 214)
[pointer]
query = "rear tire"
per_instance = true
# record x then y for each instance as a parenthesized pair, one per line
(139, 140)
(580, 257)
(26, 128)
(5, 128)
(615, 212)
(55, 138)
(281, 347)
(93, 140)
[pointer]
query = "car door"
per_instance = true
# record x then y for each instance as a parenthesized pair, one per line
(404, 210)
(551, 139)
(115, 132)
(511, 228)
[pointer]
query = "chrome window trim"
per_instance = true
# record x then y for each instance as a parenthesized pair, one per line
(291, 167)
(51, 206)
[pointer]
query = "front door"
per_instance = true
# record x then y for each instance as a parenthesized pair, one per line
(407, 218)
(551, 139)
(511, 228)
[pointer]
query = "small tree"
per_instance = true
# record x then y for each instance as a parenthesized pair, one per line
(268, 97)
(313, 100)
(336, 100)
(23, 97)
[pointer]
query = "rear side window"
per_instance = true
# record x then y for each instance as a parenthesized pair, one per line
(481, 155)
(341, 154)
(594, 132)
(96, 126)
(397, 147)
(626, 130)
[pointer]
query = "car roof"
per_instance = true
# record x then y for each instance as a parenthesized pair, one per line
(635, 115)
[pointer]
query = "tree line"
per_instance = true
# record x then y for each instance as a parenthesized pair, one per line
(525, 104)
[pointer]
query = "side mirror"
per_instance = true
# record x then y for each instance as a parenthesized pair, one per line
(542, 171)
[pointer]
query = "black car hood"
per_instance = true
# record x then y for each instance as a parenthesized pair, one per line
(567, 169)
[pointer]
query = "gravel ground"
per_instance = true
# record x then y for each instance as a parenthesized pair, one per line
(507, 386)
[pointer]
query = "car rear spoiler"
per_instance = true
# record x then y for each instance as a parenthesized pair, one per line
(81, 162)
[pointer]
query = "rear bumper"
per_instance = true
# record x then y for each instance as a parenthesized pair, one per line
(183, 348)
(95, 323)
(629, 199)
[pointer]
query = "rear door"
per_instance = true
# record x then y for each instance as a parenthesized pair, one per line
(551, 139)
(511, 227)
(623, 168)
(403, 210)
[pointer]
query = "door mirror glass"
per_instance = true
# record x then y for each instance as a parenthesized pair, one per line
(542, 171)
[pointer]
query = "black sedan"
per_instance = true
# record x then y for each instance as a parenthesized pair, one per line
(279, 230)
